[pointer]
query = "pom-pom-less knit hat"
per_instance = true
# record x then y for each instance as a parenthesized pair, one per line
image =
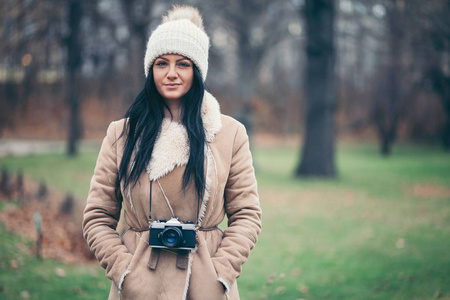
(180, 32)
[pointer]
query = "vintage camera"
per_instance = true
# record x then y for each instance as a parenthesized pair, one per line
(172, 234)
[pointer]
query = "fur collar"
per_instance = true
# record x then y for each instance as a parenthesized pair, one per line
(172, 146)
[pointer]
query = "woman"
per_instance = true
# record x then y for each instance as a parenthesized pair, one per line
(174, 156)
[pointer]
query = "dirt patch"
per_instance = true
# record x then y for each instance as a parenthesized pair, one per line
(62, 234)
(267, 140)
(303, 201)
(428, 191)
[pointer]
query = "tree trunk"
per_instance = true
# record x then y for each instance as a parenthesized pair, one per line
(446, 94)
(392, 112)
(446, 133)
(445, 98)
(441, 85)
(137, 23)
(317, 157)
(74, 117)
(73, 65)
(248, 60)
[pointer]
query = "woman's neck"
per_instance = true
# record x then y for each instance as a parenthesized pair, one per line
(175, 108)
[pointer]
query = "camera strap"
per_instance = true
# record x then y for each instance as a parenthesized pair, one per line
(165, 197)
(168, 203)
(150, 206)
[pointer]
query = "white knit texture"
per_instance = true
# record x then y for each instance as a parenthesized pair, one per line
(179, 37)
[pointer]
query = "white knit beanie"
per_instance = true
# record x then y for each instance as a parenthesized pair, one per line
(181, 32)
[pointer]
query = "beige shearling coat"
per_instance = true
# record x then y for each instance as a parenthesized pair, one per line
(210, 271)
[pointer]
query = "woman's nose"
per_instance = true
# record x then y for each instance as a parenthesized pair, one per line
(172, 72)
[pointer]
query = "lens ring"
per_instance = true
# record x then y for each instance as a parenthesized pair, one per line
(171, 237)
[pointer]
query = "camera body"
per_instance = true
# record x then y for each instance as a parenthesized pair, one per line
(172, 234)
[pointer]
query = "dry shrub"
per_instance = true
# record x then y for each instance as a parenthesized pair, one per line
(62, 233)
(428, 191)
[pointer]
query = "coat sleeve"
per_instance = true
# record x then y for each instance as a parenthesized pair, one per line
(243, 212)
(102, 213)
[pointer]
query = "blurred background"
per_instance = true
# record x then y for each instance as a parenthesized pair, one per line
(346, 102)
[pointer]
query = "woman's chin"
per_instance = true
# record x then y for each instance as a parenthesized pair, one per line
(173, 96)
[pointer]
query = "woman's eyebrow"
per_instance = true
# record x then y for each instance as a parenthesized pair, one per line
(180, 59)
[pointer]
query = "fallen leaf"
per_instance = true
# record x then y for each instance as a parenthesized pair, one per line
(25, 294)
(13, 264)
(303, 288)
(295, 272)
(280, 290)
(400, 243)
(77, 290)
(60, 272)
(271, 278)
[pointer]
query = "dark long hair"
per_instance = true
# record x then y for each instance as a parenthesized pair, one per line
(145, 117)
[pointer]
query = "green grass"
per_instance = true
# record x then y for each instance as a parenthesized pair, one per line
(343, 234)
(68, 174)
(365, 235)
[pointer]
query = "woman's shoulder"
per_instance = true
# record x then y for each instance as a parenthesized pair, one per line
(115, 129)
(119, 123)
(232, 130)
(231, 124)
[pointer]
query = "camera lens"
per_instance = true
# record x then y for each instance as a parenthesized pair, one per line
(171, 237)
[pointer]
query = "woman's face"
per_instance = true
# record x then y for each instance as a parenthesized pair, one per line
(173, 75)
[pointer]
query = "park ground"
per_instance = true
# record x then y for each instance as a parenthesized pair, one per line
(380, 230)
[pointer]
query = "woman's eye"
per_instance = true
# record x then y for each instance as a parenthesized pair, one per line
(161, 63)
(185, 64)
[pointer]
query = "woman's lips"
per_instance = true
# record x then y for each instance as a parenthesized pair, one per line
(172, 85)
